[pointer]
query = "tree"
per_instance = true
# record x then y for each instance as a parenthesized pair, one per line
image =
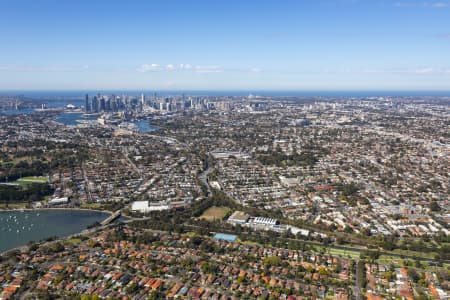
(272, 261)
(156, 295)
(413, 275)
(434, 206)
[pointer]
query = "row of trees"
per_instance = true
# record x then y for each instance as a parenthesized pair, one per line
(28, 193)
(11, 172)
(281, 159)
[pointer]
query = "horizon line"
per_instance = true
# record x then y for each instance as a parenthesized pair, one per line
(225, 90)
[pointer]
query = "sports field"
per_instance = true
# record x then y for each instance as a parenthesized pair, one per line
(215, 213)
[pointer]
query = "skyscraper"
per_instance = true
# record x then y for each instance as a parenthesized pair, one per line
(87, 105)
(102, 106)
(95, 104)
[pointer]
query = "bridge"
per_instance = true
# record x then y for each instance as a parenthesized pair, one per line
(111, 218)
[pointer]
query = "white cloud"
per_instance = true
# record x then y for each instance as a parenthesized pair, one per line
(208, 69)
(170, 67)
(149, 68)
(181, 67)
(185, 67)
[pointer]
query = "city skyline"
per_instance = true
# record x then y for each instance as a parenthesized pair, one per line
(225, 45)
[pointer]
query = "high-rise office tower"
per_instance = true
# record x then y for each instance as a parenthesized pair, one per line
(102, 104)
(95, 104)
(87, 105)
(108, 104)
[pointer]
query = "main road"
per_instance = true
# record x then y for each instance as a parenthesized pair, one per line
(203, 177)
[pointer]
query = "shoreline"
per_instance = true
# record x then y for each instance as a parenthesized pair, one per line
(55, 208)
(59, 238)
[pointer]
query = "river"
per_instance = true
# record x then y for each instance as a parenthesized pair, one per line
(17, 228)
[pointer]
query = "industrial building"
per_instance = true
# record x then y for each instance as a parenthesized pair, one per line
(146, 206)
(265, 221)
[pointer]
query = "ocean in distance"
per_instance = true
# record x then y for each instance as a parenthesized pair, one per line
(17, 228)
(43, 94)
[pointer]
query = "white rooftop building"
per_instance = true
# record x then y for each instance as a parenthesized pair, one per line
(146, 206)
(58, 201)
(266, 221)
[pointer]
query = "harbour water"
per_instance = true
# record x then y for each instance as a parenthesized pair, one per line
(17, 228)
(11, 112)
(49, 104)
(144, 126)
(71, 119)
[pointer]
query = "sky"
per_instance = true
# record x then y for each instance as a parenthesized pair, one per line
(225, 44)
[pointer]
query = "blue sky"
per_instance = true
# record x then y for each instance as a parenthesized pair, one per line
(225, 44)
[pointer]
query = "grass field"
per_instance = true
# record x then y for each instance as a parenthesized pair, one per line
(31, 179)
(249, 243)
(91, 205)
(337, 252)
(343, 253)
(189, 234)
(73, 241)
(413, 253)
(387, 259)
(215, 213)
